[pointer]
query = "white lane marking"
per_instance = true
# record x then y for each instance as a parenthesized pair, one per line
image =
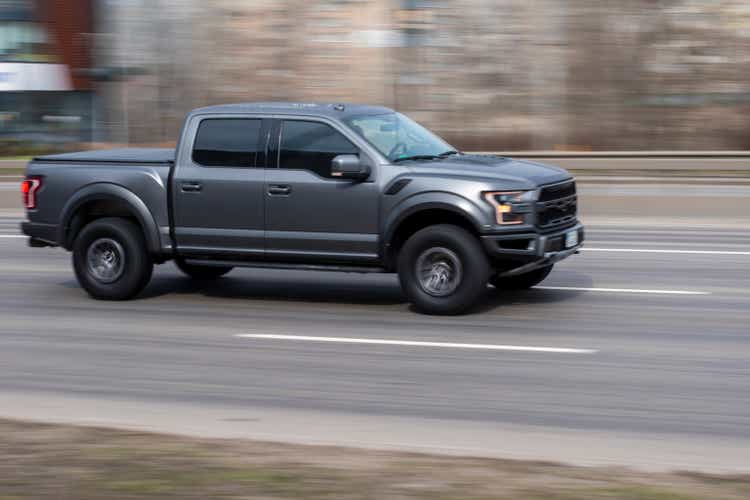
(414, 343)
(622, 290)
(661, 250)
(13, 236)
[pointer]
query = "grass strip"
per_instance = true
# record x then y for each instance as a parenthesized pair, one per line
(58, 461)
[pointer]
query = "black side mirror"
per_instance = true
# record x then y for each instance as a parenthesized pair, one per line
(349, 167)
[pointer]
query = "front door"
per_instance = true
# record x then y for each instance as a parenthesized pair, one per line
(218, 189)
(309, 214)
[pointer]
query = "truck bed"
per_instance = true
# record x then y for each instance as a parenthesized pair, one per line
(122, 155)
(138, 175)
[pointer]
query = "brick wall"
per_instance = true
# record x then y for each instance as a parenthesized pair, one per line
(70, 24)
(487, 74)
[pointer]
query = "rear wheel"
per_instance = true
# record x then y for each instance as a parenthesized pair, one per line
(443, 269)
(110, 259)
(202, 272)
(521, 281)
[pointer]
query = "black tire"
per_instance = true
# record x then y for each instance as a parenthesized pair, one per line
(202, 272)
(118, 246)
(522, 281)
(441, 248)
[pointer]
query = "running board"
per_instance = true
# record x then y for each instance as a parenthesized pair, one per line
(283, 265)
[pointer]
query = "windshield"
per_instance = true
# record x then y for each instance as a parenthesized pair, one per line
(398, 137)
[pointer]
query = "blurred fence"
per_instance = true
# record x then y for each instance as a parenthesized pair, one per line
(730, 164)
(656, 163)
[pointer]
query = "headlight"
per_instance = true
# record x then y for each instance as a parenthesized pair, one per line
(510, 206)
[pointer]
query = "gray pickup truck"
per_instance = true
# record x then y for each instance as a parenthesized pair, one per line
(305, 186)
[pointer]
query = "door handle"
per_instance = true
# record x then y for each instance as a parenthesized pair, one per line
(191, 187)
(279, 189)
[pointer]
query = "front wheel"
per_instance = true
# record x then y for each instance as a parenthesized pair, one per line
(521, 281)
(202, 272)
(443, 269)
(110, 259)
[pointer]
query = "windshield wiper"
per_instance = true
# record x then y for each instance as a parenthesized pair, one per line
(446, 154)
(416, 157)
(442, 155)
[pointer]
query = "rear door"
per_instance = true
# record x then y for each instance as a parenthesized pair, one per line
(218, 187)
(311, 215)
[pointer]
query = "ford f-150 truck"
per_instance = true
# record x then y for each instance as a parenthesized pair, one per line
(305, 186)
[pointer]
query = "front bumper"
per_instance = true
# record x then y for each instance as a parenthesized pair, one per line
(532, 250)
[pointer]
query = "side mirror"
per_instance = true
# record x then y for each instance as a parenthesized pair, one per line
(349, 167)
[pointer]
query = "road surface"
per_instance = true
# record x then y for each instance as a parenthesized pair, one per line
(635, 352)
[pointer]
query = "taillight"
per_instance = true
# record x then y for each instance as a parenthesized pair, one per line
(29, 188)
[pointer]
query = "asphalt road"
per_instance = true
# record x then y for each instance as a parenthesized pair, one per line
(644, 359)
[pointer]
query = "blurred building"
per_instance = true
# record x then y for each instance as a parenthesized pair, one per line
(44, 96)
(487, 74)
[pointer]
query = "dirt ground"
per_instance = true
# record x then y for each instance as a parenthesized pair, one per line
(79, 463)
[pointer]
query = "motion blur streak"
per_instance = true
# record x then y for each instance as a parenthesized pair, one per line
(414, 343)
(622, 290)
(662, 250)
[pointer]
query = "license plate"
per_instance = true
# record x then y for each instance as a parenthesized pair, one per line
(571, 239)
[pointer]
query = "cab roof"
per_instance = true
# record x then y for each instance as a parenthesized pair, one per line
(329, 110)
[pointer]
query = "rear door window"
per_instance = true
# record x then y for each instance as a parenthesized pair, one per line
(227, 142)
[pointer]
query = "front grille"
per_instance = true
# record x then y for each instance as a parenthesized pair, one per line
(557, 191)
(557, 206)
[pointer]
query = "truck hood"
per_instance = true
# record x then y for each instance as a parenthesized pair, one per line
(516, 173)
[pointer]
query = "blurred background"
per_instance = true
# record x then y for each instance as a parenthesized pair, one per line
(509, 75)
(647, 102)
